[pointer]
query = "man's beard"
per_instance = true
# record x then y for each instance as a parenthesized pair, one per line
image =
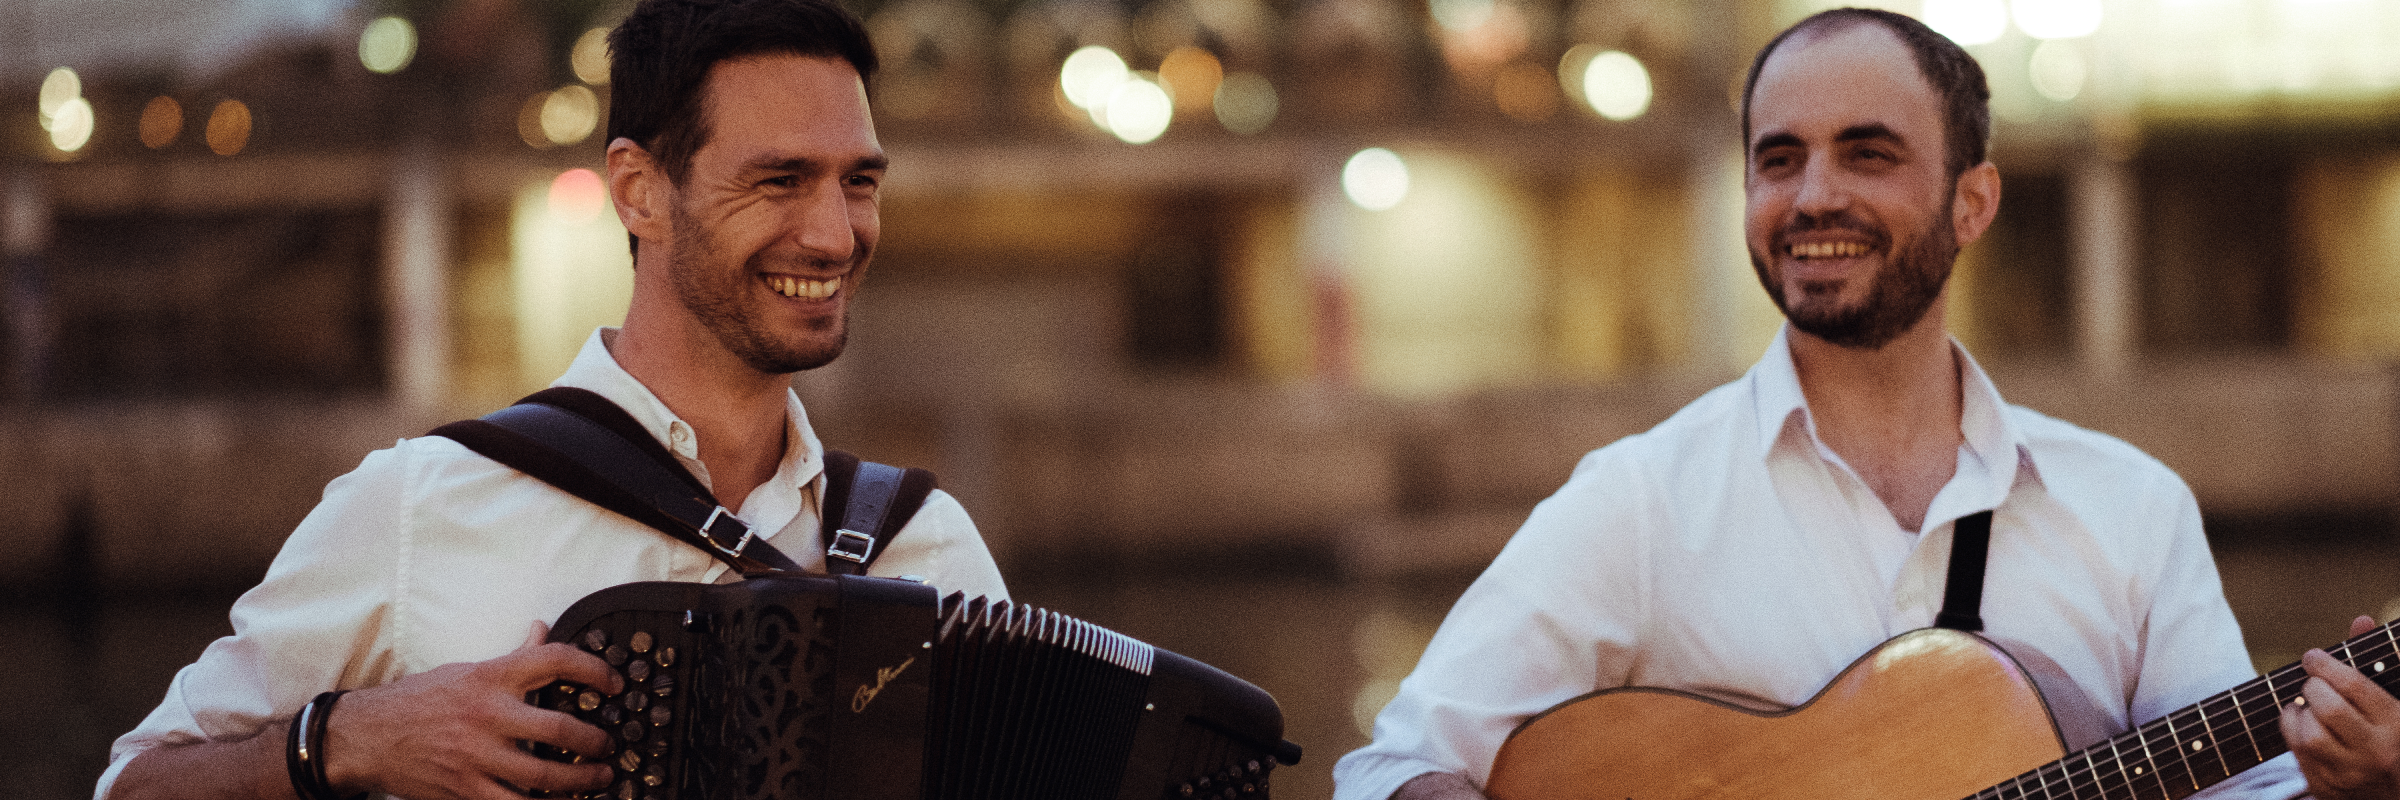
(720, 300)
(1904, 288)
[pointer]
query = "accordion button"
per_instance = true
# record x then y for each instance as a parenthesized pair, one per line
(639, 670)
(1186, 790)
(663, 684)
(659, 715)
(655, 776)
(615, 655)
(666, 656)
(629, 790)
(595, 639)
(636, 700)
(611, 715)
(588, 701)
(640, 641)
(658, 748)
(633, 731)
(629, 760)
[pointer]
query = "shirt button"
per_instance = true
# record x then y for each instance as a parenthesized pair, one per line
(680, 435)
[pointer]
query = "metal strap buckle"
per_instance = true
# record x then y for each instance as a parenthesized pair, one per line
(851, 545)
(708, 531)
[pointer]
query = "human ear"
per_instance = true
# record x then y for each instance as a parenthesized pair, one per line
(638, 185)
(1974, 202)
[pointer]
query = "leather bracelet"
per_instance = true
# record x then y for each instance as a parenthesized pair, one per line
(304, 750)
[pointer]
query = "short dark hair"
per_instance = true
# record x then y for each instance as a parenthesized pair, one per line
(1953, 74)
(662, 54)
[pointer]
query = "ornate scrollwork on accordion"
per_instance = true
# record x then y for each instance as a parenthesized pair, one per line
(846, 687)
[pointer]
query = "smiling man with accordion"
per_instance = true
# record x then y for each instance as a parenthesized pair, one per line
(398, 644)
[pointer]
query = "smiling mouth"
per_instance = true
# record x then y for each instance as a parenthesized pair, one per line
(795, 287)
(1809, 250)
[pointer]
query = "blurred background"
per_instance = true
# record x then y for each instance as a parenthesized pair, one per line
(1248, 327)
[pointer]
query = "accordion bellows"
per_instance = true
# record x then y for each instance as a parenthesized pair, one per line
(849, 687)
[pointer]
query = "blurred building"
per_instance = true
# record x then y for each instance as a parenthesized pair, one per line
(1335, 282)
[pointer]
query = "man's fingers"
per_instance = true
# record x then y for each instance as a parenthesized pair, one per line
(2357, 691)
(541, 631)
(562, 730)
(533, 668)
(523, 770)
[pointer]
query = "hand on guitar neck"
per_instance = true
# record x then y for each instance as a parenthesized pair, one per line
(2347, 736)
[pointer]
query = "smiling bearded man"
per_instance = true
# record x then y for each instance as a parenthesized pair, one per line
(1750, 548)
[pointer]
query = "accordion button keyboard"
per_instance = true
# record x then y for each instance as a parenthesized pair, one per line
(639, 670)
(662, 684)
(595, 639)
(616, 655)
(666, 656)
(659, 715)
(640, 641)
(633, 731)
(629, 760)
(612, 714)
(636, 700)
(589, 701)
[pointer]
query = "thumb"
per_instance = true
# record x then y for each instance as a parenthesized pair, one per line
(2362, 625)
(535, 637)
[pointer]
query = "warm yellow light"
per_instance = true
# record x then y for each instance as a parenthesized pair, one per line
(590, 57)
(162, 121)
(2057, 19)
(1245, 103)
(1967, 22)
(1138, 111)
(569, 114)
(71, 125)
(229, 128)
(1191, 76)
(60, 87)
(1462, 15)
(387, 45)
(1375, 178)
(529, 121)
(2058, 70)
(1617, 86)
(1090, 75)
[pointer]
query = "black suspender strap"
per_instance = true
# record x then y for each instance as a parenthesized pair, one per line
(594, 460)
(871, 493)
(1962, 597)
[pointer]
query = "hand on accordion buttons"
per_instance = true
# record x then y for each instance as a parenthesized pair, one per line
(453, 731)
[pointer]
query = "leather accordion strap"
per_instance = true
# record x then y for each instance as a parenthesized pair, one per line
(872, 490)
(1962, 597)
(590, 453)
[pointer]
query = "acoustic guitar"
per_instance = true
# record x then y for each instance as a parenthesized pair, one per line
(1933, 714)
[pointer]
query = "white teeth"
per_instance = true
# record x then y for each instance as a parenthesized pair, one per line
(789, 286)
(1828, 250)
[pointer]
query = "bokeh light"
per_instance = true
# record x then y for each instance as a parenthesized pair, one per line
(1375, 178)
(2058, 70)
(60, 87)
(1461, 15)
(1191, 76)
(1616, 85)
(1245, 103)
(1139, 110)
(569, 115)
(387, 45)
(1091, 75)
(71, 125)
(590, 57)
(529, 121)
(229, 128)
(577, 195)
(162, 122)
(1967, 22)
(2057, 19)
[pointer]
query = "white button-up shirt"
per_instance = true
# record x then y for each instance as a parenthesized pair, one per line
(1730, 553)
(430, 554)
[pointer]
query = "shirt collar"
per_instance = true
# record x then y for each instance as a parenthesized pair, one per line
(1990, 436)
(597, 371)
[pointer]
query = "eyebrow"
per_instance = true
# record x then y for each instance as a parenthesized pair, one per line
(877, 161)
(1871, 131)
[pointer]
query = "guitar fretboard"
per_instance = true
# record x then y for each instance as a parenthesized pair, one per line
(2181, 753)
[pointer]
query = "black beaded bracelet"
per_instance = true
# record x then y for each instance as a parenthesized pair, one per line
(304, 750)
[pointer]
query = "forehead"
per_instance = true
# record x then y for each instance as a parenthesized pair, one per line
(1828, 80)
(787, 105)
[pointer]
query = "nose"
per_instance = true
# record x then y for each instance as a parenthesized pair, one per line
(821, 224)
(1821, 188)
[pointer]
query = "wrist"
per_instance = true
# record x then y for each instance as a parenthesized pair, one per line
(305, 754)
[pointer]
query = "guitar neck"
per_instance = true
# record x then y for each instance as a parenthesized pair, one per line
(2192, 749)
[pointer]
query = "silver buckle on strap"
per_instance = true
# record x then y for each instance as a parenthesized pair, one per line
(851, 545)
(708, 531)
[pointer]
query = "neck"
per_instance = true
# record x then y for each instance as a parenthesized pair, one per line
(1892, 413)
(736, 413)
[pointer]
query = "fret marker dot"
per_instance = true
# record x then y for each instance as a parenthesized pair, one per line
(2378, 666)
(2196, 746)
(2301, 703)
(2137, 770)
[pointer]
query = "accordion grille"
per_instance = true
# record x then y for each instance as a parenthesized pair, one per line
(1031, 704)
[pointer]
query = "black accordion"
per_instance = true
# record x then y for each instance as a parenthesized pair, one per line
(853, 688)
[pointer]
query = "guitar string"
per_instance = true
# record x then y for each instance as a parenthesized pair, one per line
(2276, 682)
